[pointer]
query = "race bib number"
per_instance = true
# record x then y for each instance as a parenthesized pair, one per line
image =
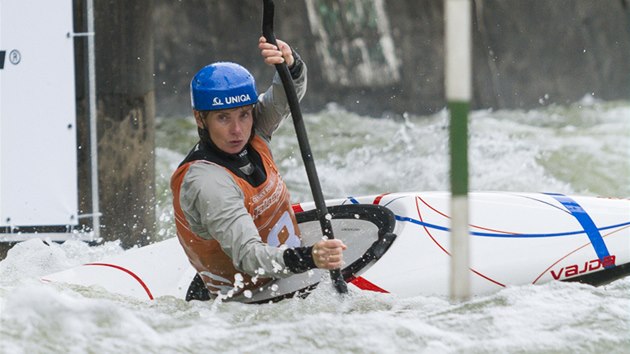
(283, 232)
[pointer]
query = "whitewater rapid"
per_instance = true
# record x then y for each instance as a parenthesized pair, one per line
(579, 149)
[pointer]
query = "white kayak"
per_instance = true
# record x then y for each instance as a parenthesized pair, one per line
(400, 243)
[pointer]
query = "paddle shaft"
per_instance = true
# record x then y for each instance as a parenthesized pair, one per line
(305, 148)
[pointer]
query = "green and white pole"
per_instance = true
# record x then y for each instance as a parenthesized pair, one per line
(458, 93)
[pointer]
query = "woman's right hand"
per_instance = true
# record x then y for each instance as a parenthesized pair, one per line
(328, 254)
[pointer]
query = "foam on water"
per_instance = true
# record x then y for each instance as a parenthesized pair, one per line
(581, 149)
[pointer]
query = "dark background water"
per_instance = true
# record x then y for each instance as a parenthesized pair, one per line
(376, 56)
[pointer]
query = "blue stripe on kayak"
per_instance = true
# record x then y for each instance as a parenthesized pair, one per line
(587, 223)
(504, 235)
(353, 201)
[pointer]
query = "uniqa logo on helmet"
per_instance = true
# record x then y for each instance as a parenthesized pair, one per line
(231, 100)
(222, 85)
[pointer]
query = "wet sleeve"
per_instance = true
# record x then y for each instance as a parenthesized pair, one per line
(272, 107)
(213, 205)
(299, 259)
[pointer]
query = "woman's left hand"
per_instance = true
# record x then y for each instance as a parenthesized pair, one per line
(274, 55)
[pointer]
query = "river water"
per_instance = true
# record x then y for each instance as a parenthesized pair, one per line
(579, 149)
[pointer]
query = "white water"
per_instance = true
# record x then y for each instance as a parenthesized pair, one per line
(581, 149)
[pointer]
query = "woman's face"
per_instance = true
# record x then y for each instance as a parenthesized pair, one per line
(229, 129)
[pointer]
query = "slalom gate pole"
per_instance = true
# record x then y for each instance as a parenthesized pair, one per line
(305, 148)
(94, 185)
(458, 93)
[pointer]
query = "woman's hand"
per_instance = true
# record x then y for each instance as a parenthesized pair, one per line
(272, 55)
(328, 254)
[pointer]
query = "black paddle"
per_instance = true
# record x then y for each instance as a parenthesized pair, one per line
(305, 148)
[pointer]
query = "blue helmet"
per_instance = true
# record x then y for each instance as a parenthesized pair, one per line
(222, 85)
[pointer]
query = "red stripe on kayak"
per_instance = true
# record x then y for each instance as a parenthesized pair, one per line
(443, 249)
(297, 208)
(377, 200)
(471, 225)
(363, 284)
(137, 278)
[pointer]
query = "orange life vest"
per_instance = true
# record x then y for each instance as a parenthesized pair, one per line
(268, 204)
